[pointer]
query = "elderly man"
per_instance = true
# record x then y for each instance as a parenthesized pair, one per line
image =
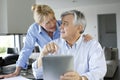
(89, 58)
(43, 30)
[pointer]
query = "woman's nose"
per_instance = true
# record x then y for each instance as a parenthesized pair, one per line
(52, 23)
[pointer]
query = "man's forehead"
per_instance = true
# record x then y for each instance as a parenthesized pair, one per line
(68, 18)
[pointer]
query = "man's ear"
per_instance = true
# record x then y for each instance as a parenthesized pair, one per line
(80, 28)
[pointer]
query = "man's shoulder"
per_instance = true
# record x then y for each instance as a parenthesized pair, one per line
(90, 42)
(93, 43)
(58, 40)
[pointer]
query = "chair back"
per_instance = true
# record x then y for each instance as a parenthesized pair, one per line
(36, 49)
(12, 50)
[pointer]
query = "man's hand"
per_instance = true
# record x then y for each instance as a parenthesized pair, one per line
(49, 48)
(71, 76)
(87, 37)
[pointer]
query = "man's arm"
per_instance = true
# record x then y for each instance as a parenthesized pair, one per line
(96, 70)
(37, 65)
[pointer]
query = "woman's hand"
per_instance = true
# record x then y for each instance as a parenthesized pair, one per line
(16, 73)
(7, 76)
(87, 37)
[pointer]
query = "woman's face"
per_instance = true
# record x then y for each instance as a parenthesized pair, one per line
(48, 23)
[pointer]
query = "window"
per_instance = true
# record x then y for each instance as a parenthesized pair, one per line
(8, 41)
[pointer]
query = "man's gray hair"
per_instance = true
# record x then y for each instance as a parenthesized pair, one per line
(79, 18)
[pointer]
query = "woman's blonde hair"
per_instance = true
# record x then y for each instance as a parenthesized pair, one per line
(42, 11)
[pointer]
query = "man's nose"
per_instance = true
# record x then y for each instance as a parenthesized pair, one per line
(61, 27)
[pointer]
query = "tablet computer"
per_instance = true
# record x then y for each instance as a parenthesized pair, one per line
(57, 65)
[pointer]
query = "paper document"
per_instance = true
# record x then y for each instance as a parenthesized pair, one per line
(16, 78)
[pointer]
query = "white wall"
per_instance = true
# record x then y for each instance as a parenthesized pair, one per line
(15, 16)
(19, 15)
(3, 17)
(91, 13)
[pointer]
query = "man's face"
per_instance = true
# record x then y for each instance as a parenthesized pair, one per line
(68, 29)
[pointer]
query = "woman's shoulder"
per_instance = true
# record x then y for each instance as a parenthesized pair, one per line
(33, 26)
(59, 22)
